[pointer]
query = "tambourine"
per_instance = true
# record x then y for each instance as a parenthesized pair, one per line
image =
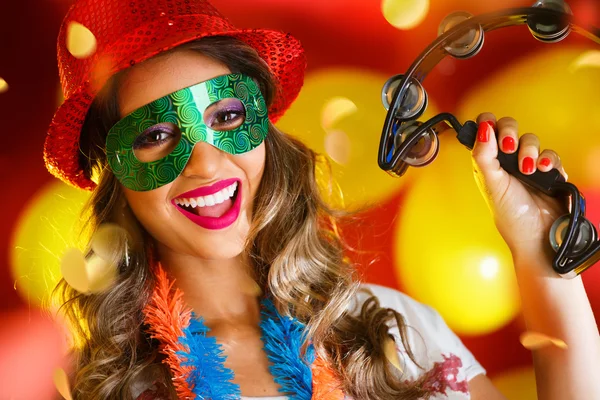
(405, 141)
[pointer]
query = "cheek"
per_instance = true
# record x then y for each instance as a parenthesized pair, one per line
(146, 206)
(253, 165)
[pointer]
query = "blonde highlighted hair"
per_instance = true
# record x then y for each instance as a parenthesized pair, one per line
(306, 269)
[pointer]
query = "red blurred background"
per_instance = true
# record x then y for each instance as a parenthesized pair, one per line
(422, 231)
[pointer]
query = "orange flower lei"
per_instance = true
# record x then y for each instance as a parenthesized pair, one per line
(168, 315)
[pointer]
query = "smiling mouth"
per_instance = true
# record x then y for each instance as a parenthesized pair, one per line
(213, 206)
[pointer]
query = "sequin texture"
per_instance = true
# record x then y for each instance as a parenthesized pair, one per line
(131, 31)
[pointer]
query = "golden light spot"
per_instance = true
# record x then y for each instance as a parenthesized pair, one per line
(3, 86)
(109, 242)
(405, 14)
(589, 59)
(61, 381)
(81, 42)
(335, 110)
(489, 267)
(90, 275)
(338, 146)
(389, 348)
(535, 340)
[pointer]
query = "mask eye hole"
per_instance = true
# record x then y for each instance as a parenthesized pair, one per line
(156, 142)
(225, 114)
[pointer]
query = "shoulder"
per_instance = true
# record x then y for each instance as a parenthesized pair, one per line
(418, 316)
(436, 348)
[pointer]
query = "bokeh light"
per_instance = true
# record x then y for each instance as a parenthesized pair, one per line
(336, 109)
(32, 347)
(405, 14)
(3, 86)
(354, 124)
(81, 42)
(517, 383)
(535, 340)
(61, 381)
(48, 226)
(588, 59)
(338, 146)
(448, 252)
(489, 268)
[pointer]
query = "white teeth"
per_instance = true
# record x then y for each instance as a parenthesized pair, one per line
(210, 200)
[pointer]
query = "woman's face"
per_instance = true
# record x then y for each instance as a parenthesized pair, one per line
(183, 216)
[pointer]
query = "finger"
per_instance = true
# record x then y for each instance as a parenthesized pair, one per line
(485, 149)
(487, 170)
(549, 160)
(529, 150)
(485, 145)
(487, 116)
(508, 134)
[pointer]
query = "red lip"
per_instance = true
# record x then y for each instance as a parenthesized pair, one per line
(212, 223)
(206, 190)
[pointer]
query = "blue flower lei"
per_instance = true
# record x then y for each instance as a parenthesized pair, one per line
(282, 338)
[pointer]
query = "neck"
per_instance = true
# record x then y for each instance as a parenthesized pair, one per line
(223, 292)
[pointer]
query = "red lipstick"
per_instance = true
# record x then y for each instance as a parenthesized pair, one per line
(213, 223)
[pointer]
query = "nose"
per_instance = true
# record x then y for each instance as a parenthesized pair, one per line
(204, 162)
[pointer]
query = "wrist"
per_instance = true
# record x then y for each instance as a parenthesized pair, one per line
(538, 260)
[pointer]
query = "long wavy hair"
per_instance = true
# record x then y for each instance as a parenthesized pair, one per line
(306, 270)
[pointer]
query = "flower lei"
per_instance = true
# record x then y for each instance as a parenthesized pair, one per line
(196, 360)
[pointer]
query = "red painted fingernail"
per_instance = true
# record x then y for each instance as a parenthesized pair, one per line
(483, 131)
(528, 165)
(508, 144)
(545, 162)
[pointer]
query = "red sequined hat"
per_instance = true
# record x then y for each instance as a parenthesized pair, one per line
(130, 31)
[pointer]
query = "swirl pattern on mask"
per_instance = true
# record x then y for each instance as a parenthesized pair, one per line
(181, 108)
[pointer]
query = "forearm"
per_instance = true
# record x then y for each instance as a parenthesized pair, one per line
(560, 308)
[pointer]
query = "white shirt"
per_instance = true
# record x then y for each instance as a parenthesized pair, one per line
(434, 345)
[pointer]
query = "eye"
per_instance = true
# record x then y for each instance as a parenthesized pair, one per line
(225, 114)
(227, 117)
(156, 142)
(150, 139)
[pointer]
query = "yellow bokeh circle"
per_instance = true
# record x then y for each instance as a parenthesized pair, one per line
(405, 14)
(3, 86)
(448, 253)
(49, 225)
(80, 41)
(339, 114)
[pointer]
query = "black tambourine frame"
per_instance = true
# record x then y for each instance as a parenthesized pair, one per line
(569, 261)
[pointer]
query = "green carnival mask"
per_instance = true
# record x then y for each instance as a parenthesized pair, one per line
(151, 146)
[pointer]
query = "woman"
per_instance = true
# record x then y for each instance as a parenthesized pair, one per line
(233, 281)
